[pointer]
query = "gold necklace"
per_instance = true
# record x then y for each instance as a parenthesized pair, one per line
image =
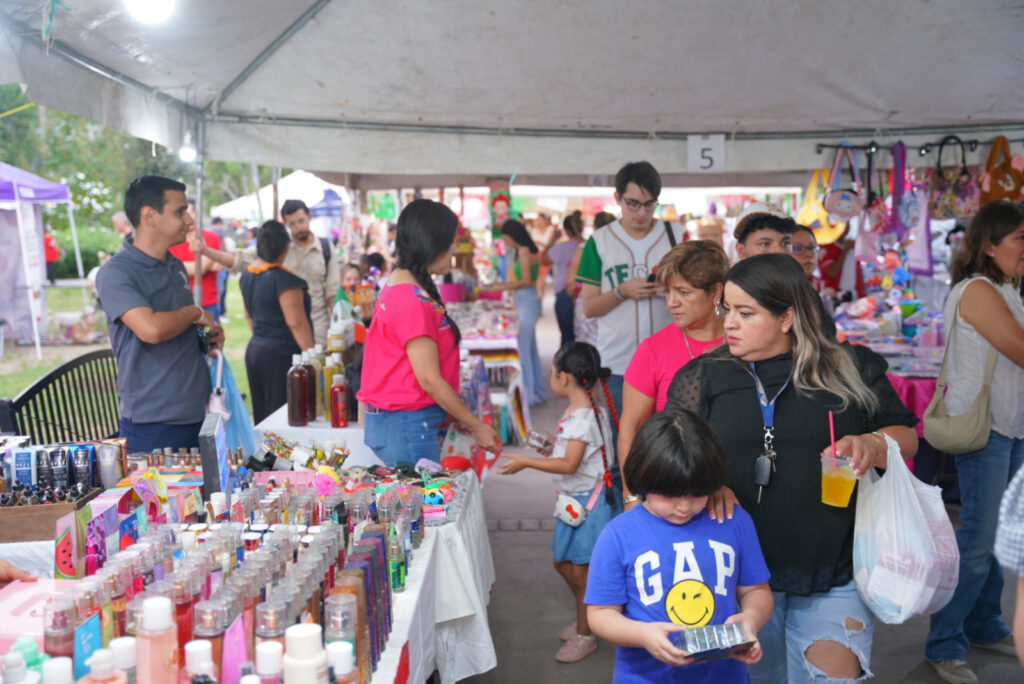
(686, 340)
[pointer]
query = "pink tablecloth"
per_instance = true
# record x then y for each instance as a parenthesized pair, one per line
(916, 394)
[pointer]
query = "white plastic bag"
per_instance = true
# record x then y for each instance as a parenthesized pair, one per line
(905, 557)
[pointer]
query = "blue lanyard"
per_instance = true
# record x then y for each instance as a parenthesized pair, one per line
(767, 407)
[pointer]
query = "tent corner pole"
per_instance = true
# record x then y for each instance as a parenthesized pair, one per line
(197, 280)
(78, 251)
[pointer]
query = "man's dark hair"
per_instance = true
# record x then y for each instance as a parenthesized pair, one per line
(271, 241)
(216, 221)
(641, 173)
(147, 191)
(292, 206)
(756, 222)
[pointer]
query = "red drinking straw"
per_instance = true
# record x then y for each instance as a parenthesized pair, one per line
(832, 433)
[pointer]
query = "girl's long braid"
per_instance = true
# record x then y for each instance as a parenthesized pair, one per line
(422, 276)
(609, 497)
(611, 404)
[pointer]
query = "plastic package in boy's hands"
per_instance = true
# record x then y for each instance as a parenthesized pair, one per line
(905, 557)
(713, 642)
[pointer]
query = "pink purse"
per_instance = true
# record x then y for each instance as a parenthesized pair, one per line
(844, 203)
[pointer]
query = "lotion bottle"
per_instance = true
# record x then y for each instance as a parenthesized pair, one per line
(304, 659)
(101, 669)
(157, 642)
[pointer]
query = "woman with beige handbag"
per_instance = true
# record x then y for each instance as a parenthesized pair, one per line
(981, 419)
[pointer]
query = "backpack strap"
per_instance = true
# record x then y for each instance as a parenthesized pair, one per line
(671, 235)
(325, 246)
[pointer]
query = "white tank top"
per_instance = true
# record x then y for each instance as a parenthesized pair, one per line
(965, 369)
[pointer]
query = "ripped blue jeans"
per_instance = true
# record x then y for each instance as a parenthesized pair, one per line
(404, 435)
(797, 622)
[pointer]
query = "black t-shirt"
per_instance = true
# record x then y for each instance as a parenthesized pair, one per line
(808, 545)
(260, 293)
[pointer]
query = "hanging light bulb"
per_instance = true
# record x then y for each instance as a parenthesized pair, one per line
(187, 153)
(150, 11)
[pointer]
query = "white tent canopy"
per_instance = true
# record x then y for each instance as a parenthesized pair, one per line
(300, 185)
(558, 91)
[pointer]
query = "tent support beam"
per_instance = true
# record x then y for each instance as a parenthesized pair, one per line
(628, 135)
(26, 32)
(267, 53)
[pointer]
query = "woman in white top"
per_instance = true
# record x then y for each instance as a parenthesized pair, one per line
(987, 269)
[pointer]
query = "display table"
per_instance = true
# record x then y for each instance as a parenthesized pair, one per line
(319, 431)
(440, 620)
(500, 355)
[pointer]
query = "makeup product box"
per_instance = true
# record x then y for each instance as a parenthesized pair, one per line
(36, 523)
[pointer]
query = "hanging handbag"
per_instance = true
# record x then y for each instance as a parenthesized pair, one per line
(968, 431)
(954, 190)
(1004, 175)
(844, 203)
(909, 218)
(813, 215)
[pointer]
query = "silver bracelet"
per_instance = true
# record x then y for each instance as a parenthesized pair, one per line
(621, 297)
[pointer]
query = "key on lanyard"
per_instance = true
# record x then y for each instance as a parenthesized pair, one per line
(764, 465)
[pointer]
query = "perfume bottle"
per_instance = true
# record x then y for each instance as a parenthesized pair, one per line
(59, 623)
(157, 641)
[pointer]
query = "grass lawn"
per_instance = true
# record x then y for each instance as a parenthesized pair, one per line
(21, 368)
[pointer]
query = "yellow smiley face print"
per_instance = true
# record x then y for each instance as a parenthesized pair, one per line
(690, 603)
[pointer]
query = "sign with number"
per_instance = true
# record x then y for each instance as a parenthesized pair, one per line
(705, 153)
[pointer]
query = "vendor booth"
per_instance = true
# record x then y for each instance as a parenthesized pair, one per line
(22, 268)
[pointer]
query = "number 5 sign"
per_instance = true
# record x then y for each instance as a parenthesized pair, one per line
(705, 153)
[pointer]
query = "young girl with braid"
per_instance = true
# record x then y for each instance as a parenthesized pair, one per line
(411, 360)
(579, 462)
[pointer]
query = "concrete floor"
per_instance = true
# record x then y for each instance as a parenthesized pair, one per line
(530, 603)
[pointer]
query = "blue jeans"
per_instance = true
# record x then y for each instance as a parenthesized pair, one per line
(404, 435)
(973, 614)
(564, 313)
(614, 383)
(799, 621)
(528, 304)
(149, 436)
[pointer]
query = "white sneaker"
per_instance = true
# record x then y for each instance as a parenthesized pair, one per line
(954, 671)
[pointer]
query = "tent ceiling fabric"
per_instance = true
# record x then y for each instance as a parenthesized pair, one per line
(517, 86)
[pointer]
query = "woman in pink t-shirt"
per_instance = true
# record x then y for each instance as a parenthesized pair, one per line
(692, 274)
(411, 359)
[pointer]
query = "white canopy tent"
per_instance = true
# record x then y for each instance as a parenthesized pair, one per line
(300, 185)
(433, 94)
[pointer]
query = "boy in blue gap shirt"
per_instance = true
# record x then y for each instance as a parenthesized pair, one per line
(664, 566)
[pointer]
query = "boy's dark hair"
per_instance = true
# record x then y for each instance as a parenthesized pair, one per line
(271, 241)
(376, 260)
(582, 361)
(291, 206)
(147, 191)
(754, 222)
(641, 173)
(675, 453)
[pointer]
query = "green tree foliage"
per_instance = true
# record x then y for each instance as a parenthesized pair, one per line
(97, 164)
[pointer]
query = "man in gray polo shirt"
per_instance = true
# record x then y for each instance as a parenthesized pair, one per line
(162, 377)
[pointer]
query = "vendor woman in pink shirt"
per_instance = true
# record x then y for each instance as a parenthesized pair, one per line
(692, 274)
(411, 359)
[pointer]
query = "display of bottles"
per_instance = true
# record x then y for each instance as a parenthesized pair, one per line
(339, 402)
(310, 386)
(157, 642)
(298, 394)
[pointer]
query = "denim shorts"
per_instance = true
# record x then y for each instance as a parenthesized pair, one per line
(799, 621)
(404, 435)
(575, 544)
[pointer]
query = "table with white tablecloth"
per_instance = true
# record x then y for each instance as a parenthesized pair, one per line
(319, 431)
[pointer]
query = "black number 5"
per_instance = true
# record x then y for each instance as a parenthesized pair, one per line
(706, 160)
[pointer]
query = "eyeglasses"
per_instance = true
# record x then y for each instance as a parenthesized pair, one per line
(800, 249)
(637, 205)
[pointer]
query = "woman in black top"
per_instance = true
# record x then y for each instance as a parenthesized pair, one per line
(277, 307)
(774, 333)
